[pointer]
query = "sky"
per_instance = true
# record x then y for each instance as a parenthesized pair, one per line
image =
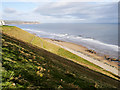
(54, 11)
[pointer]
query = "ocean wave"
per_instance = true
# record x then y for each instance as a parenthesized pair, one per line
(94, 42)
(114, 47)
(79, 38)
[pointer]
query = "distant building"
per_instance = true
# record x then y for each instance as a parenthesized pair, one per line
(2, 23)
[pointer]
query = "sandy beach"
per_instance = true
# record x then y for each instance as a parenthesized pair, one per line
(81, 51)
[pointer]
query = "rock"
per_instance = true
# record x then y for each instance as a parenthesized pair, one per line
(107, 57)
(114, 59)
(91, 51)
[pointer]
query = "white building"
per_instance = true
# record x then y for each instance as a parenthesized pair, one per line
(2, 23)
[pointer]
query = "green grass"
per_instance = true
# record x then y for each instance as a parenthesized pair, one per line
(18, 33)
(30, 38)
(27, 66)
(46, 45)
(70, 55)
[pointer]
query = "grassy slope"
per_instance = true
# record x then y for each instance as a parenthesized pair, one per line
(16, 32)
(30, 38)
(27, 66)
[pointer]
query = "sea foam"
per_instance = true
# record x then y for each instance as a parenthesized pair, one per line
(88, 41)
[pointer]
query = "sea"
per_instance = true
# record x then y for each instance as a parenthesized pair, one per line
(103, 38)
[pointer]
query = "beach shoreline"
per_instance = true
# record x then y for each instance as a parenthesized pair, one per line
(83, 51)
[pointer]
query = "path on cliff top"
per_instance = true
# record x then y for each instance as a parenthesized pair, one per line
(92, 60)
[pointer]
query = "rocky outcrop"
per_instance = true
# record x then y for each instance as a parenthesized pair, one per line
(91, 51)
(111, 59)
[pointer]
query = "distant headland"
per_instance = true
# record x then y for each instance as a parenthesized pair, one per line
(20, 22)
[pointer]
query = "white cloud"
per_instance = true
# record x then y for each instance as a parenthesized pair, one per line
(9, 10)
(60, 0)
(93, 12)
(72, 12)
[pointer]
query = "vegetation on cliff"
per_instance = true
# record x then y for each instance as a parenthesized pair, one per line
(26, 65)
(39, 42)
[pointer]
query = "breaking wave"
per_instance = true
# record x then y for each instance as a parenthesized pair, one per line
(78, 39)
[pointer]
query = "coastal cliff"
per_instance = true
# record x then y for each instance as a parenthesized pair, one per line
(31, 62)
